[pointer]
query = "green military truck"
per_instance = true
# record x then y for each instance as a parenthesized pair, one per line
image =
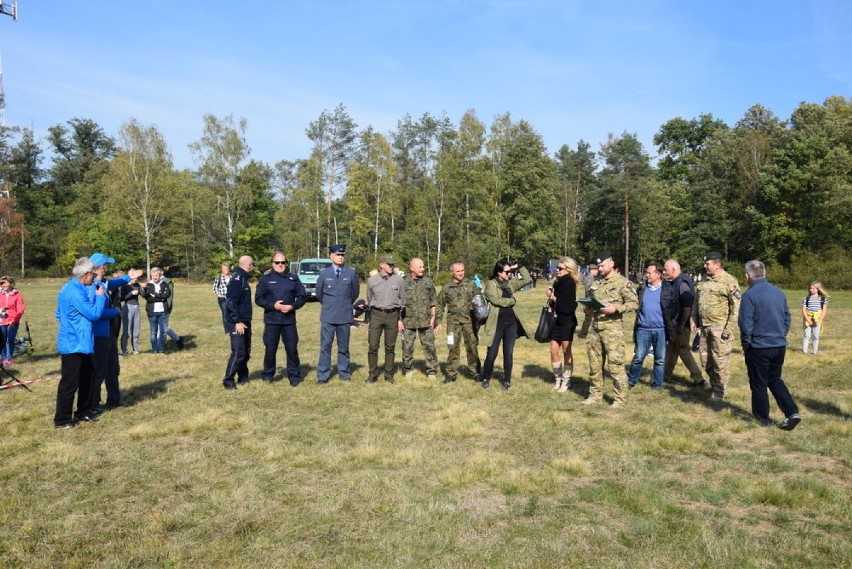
(309, 270)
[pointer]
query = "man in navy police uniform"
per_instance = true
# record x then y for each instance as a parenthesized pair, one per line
(337, 290)
(238, 324)
(280, 293)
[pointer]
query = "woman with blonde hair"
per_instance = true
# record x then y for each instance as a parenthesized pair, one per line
(563, 295)
(814, 309)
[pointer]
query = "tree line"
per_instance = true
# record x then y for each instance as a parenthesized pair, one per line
(777, 190)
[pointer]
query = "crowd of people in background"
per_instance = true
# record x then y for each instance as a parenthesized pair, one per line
(672, 309)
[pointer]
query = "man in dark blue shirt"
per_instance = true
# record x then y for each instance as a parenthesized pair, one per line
(764, 321)
(238, 324)
(280, 293)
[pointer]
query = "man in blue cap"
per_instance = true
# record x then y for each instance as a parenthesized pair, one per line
(105, 357)
(337, 290)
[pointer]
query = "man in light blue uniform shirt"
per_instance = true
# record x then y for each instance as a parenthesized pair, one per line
(337, 290)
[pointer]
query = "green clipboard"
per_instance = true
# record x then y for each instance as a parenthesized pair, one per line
(592, 303)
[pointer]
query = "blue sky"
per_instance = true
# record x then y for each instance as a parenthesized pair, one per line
(573, 69)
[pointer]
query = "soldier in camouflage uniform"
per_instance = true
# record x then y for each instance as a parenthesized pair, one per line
(419, 319)
(457, 297)
(717, 298)
(606, 337)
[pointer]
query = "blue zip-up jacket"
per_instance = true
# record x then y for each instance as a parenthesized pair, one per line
(76, 311)
(764, 317)
(285, 287)
(100, 327)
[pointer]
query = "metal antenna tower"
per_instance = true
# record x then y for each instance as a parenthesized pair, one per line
(9, 10)
(2, 97)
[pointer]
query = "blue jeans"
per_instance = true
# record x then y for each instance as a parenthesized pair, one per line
(11, 330)
(159, 322)
(645, 338)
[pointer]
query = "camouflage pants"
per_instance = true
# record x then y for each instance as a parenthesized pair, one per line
(715, 357)
(606, 348)
(427, 340)
(584, 329)
(471, 344)
(681, 347)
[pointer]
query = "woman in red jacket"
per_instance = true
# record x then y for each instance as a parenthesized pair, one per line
(11, 311)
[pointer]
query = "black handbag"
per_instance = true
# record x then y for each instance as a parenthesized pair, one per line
(546, 322)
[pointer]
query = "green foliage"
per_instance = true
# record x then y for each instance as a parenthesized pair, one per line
(767, 188)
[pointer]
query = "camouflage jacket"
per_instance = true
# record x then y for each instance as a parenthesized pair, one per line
(616, 290)
(419, 300)
(458, 299)
(718, 301)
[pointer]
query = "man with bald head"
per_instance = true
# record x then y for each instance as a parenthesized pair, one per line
(238, 308)
(419, 319)
(680, 344)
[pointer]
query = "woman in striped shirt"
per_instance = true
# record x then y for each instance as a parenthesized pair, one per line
(814, 309)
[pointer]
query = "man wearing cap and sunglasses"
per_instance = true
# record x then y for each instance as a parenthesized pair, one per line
(337, 291)
(280, 293)
(386, 297)
(105, 357)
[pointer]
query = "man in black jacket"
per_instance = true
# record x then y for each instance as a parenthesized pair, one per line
(238, 323)
(280, 293)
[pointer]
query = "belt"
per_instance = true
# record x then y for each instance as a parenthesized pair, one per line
(386, 309)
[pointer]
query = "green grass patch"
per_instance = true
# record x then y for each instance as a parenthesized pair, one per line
(419, 474)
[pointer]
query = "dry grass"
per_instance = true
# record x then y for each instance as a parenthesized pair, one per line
(418, 474)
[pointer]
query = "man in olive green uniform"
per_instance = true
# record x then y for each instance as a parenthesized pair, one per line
(718, 300)
(419, 320)
(457, 298)
(606, 336)
(386, 298)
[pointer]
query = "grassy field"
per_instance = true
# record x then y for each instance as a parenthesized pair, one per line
(419, 474)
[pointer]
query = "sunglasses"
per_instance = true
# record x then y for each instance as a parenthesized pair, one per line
(280, 262)
(562, 268)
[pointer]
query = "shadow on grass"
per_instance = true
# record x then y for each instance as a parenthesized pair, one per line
(701, 396)
(188, 344)
(146, 392)
(825, 408)
(34, 357)
(535, 371)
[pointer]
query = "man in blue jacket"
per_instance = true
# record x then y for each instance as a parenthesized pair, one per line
(280, 293)
(76, 310)
(655, 321)
(105, 357)
(337, 291)
(764, 321)
(238, 323)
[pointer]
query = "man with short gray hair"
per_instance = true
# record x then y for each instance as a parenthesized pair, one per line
(764, 322)
(75, 342)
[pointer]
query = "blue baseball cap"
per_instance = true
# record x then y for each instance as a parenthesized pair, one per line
(99, 259)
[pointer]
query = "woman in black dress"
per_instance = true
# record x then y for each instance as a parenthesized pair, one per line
(564, 296)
